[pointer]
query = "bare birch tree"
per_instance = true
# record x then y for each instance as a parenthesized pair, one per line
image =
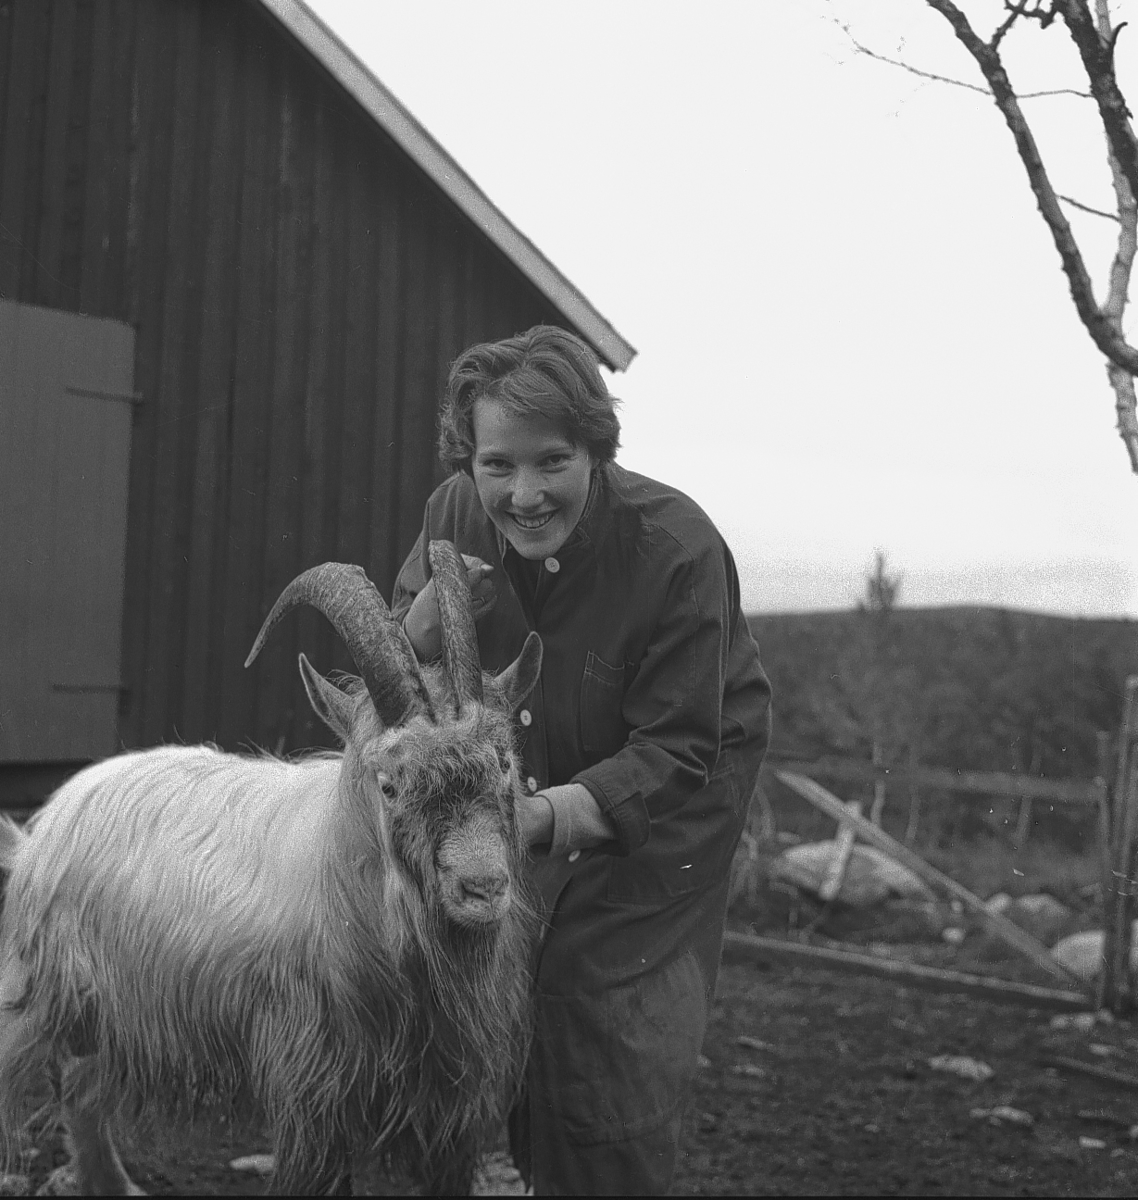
(1095, 37)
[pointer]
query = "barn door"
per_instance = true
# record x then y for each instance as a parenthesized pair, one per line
(65, 419)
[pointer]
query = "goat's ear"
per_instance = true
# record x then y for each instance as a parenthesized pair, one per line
(521, 676)
(331, 705)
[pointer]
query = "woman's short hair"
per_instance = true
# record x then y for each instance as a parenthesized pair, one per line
(545, 371)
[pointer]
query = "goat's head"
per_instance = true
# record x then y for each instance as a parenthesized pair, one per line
(430, 750)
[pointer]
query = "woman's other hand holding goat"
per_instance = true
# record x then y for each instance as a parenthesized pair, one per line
(422, 621)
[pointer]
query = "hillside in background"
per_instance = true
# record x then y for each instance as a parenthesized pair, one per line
(966, 687)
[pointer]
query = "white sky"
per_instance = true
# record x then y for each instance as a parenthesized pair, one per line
(852, 327)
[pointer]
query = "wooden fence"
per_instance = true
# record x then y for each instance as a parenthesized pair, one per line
(980, 785)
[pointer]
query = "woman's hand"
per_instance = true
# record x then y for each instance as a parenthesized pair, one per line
(421, 624)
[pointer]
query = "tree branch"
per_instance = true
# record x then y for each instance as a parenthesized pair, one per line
(1014, 10)
(1097, 212)
(1097, 53)
(1105, 334)
(1125, 405)
(1122, 382)
(894, 62)
(932, 75)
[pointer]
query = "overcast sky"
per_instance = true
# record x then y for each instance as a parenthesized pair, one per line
(852, 328)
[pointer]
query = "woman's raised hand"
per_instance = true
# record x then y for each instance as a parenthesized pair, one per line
(483, 588)
(421, 624)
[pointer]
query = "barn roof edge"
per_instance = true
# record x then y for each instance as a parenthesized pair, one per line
(392, 115)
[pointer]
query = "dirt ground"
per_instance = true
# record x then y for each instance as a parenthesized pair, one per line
(835, 1095)
(841, 1100)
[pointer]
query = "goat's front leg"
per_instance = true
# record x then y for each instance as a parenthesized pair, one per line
(454, 1176)
(97, 1168)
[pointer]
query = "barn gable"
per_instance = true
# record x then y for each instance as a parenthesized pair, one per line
(417, 142)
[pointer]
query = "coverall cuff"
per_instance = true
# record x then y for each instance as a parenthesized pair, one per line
(629, 815)
(578, 822)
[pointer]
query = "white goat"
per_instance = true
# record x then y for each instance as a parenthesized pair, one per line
(343, 937)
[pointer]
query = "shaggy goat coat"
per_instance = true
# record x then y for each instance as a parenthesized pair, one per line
(147, 927)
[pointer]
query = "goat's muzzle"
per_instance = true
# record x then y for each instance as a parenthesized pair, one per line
(475, 888)
(484, 898)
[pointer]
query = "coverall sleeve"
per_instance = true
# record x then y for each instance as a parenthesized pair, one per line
(673, 704)
(412, 577)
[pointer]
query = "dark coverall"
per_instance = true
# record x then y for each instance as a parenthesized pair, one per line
(653, 697)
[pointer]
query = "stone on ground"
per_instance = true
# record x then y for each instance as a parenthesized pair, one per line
(1083, 952)
(871, 875)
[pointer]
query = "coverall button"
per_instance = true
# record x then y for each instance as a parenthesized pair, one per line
(574, 855)
(552, 565)
(525, 717)
(531, 783)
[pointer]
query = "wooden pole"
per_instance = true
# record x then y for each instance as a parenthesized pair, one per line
(1023, 825)
(759, 799)
(1124, 886)
(1102, 783)
(998, 926)
(878, 807)
(1129, 730)
(1107, 995)
(836, 872)
(914, 800)
(1082, 1068)
(744, 947)
(1116, 990)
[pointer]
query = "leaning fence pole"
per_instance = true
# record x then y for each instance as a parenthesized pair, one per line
(749, 947)
(998, 926)
(835, 874)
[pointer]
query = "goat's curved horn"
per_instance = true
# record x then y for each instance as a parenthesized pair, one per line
(379, 648)
(456, 620)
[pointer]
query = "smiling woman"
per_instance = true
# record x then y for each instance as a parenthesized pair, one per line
(641, 744)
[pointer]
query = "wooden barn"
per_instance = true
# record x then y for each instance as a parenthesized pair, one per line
(233, 272)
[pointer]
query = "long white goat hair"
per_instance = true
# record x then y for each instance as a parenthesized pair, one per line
(194, 923)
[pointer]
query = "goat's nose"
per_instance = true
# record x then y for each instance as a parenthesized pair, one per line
(485, 887)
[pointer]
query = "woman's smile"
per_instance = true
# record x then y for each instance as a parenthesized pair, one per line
(533, 522)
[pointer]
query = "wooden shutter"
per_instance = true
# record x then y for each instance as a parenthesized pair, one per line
(65, 421)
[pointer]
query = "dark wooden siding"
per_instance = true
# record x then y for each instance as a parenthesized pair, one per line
(298, 288)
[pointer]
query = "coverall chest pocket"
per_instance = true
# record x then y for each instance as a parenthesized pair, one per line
(603, 731)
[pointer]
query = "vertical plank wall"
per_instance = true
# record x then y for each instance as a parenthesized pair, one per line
(297, 287)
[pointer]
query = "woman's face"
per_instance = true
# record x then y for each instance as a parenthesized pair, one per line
(533, 482)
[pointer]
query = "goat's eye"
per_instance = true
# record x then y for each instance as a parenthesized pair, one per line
(504, 762)
(386, 787)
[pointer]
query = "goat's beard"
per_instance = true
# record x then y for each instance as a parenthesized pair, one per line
(451, 940)
(474, 1028)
